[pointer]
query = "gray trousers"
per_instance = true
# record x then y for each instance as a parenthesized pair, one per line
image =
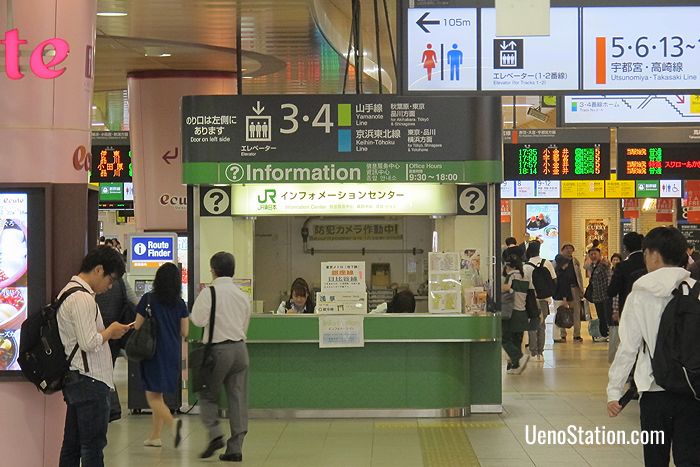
(231, 374)
(536, 338)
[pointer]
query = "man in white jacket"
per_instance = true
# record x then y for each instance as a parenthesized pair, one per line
(677, 415)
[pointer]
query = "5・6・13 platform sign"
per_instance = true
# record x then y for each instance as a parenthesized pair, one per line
(307, 139)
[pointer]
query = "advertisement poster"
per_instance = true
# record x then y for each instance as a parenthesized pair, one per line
(341, 331)
(13, 275)
(597, 229)
(444, 285)
(542, 223)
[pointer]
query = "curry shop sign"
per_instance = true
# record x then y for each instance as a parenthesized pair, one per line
(11, 44)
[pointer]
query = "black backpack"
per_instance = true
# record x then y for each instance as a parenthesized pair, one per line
(42, 356)
(542, 280)
(676, 360)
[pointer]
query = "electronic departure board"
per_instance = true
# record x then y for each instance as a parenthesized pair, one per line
(658, 153)
(556, 154)
(111, 157)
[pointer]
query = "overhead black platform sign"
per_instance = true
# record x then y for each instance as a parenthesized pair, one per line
(332, 138)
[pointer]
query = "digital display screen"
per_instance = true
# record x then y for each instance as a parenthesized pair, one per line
(542, 223)
(111, 163)
(642, 48)
(13, 275)
(658, 153)
(661, 160)
(558, 161)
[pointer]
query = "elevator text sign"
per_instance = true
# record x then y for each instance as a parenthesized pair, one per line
(46, 70)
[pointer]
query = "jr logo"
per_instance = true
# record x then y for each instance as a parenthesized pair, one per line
(269, 196)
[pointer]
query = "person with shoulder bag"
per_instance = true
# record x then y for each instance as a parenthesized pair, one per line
(543, 277)
(160, 374)
(514, 328)
(88, 383)
(229, 318)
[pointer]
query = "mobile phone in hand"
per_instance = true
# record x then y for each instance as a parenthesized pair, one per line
(627, 396)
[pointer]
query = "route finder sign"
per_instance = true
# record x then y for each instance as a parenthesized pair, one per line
(442, 49)
(332, 139)
(557, 154)
(658, 153)
(533, 62)
(642, 48)
(150, 251)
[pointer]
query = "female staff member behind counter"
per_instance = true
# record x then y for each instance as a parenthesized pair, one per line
(300, 300)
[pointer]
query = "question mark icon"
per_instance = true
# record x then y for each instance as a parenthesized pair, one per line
(216, 201)
(472, 200)
(234, 172)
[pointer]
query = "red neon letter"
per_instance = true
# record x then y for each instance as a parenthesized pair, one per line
(12, 43)
(43, 70)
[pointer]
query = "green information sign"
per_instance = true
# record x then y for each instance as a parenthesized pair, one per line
(200, 173)
(647, 188)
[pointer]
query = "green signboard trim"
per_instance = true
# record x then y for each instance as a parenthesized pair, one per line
(210, 173)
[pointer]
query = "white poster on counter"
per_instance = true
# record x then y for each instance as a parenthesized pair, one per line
(444, 283)
(343, 276)
(336, 331)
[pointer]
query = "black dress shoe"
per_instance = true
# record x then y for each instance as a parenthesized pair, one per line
(214, 444)
(233, 457)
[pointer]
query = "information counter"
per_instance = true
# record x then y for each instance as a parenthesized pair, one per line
(412, 365)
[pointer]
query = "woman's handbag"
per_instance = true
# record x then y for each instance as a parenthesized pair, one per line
(564, 317)
(142, 343)
(202, 361)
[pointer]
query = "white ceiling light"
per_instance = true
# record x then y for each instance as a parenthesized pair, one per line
(111, 14)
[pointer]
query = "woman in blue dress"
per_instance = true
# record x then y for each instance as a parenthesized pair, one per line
(160, 374)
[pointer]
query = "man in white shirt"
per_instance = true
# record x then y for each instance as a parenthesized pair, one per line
(536, 336)
(677, 415)
(232, 317)
(87, 385)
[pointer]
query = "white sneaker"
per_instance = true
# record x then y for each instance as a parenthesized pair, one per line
(513, 371)
(523, 363)
(540, 357)
(153, 443)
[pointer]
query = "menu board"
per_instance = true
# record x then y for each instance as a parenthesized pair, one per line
(658, 153)
(13, 275)
(533, 62)
(556, 154)
(642, 48)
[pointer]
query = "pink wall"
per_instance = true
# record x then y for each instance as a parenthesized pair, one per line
(32, 429)
(154, 122)
(43, 121)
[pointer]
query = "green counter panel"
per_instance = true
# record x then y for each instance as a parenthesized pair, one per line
(381, 328)
(408, 362)
(378, 376)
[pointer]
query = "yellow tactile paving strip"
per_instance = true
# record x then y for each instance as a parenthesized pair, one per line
(443, 443)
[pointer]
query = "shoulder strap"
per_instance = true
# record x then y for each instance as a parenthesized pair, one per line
(212, 316)
(542, 262)
(527, 262)
(59, 302)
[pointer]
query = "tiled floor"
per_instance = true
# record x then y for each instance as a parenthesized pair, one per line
(567, 389)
